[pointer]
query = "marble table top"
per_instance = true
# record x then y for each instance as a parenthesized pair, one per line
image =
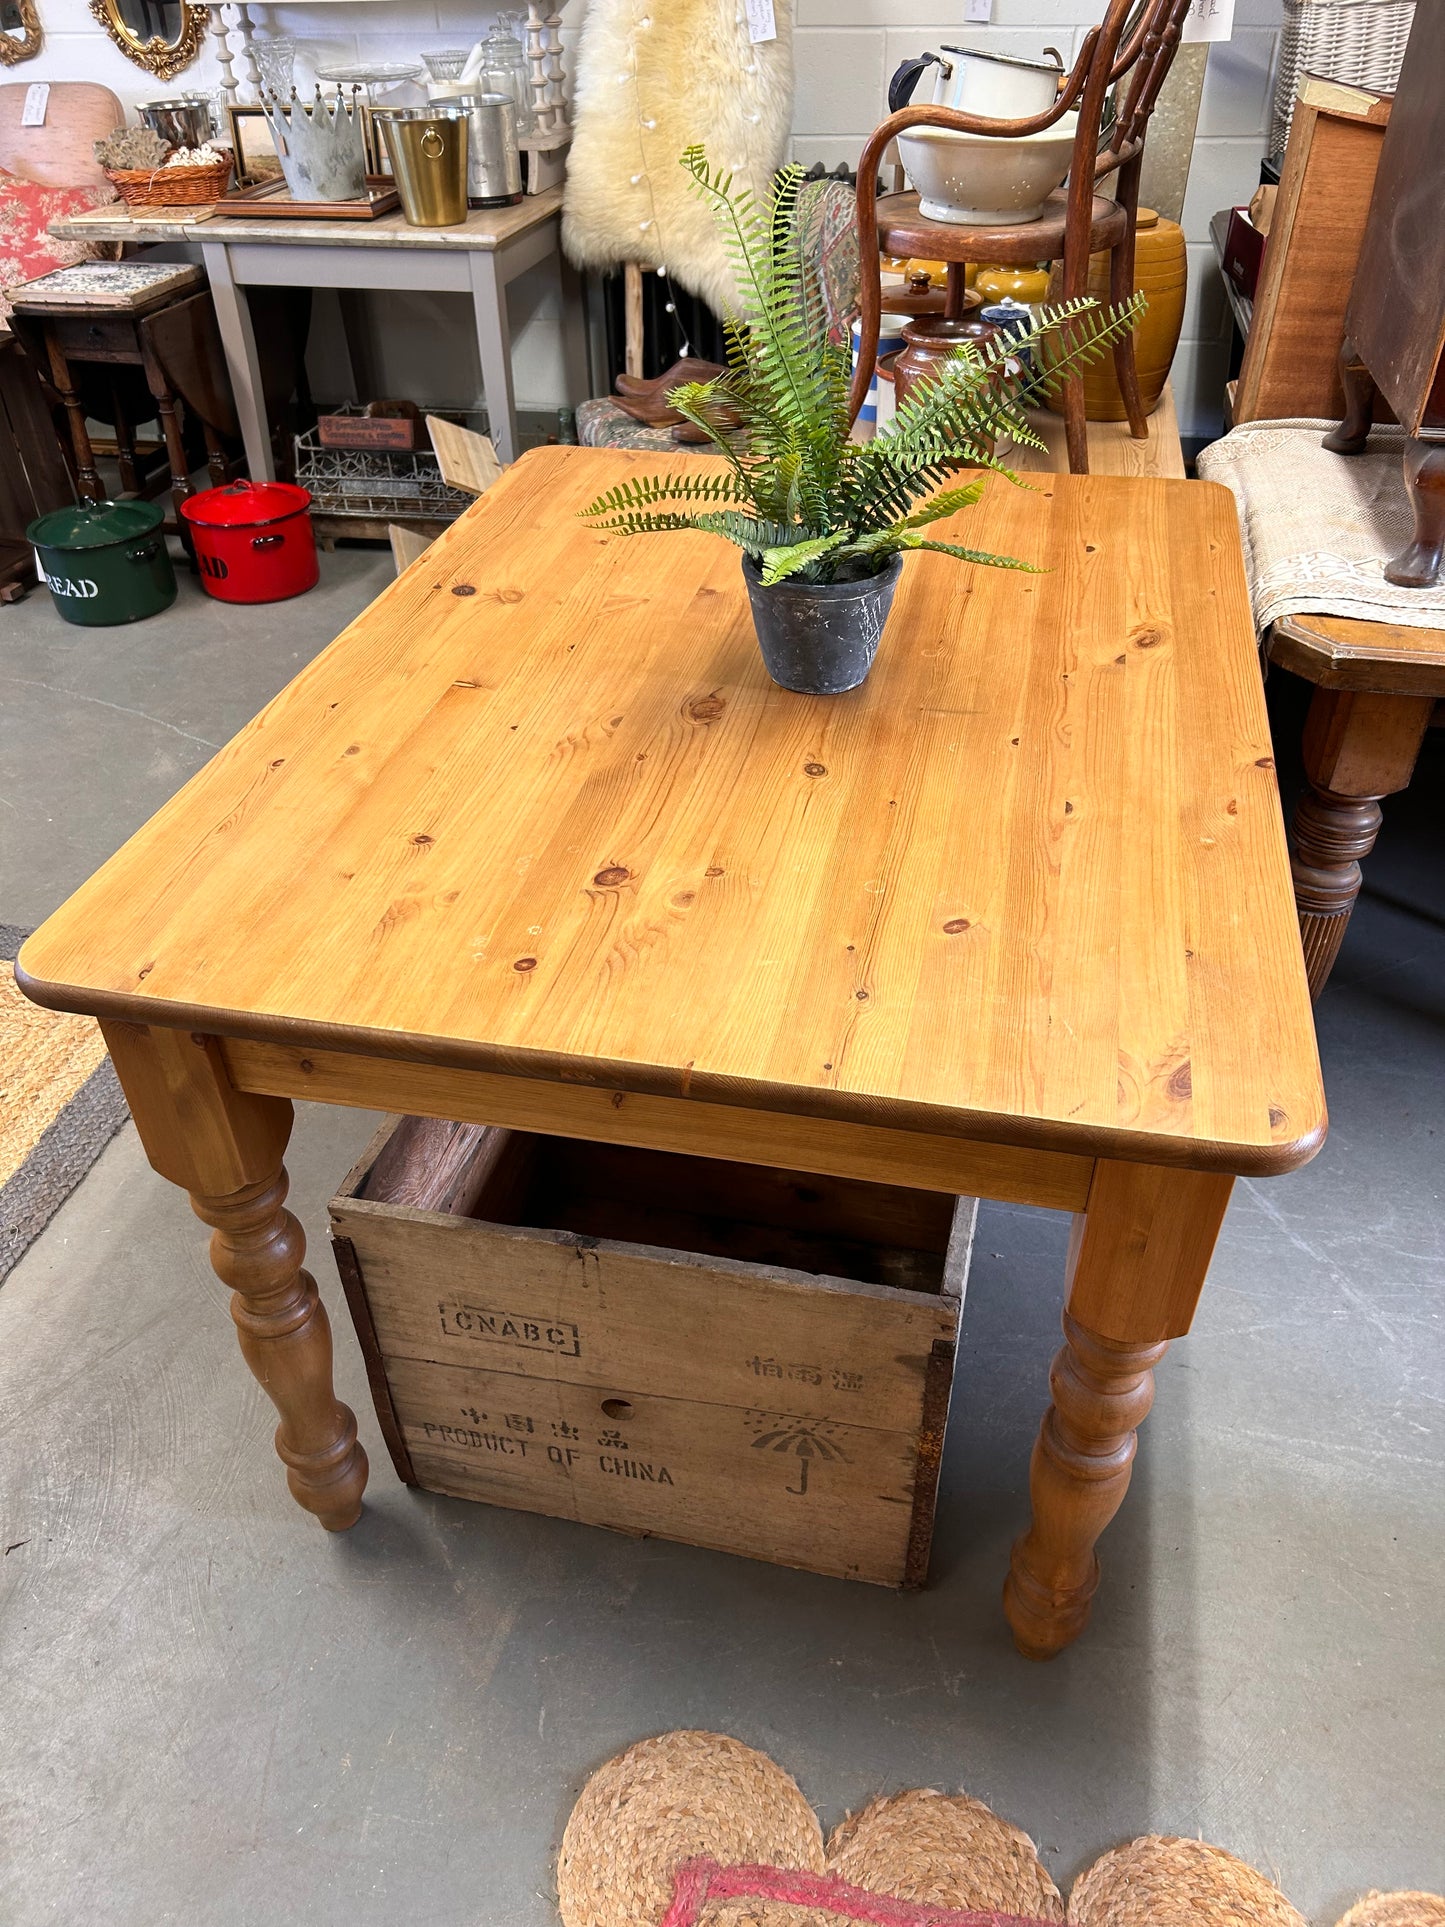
(485, 228)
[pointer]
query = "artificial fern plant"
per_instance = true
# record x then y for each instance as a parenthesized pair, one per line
(797, 495)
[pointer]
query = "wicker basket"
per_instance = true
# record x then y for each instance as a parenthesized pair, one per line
(171, 186)
(1359, 42)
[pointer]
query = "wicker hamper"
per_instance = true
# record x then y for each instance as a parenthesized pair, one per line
(1359, 42)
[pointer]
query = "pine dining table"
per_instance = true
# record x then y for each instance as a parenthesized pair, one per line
(536, 842)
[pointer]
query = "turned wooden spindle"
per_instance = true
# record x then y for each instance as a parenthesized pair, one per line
(1330, 836)
(256, 1248)
(87, 476)
(224, 1147)
(1358, 748)
(1078, 1476)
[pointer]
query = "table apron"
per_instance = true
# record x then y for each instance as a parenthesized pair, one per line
(1059, 1180)
(432, 270)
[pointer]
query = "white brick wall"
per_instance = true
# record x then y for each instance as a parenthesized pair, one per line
(845, 49)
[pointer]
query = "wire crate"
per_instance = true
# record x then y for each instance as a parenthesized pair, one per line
(1359, 42)
(370, 482)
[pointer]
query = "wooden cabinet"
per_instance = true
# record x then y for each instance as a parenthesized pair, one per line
(1394, 347)
(1291, 357)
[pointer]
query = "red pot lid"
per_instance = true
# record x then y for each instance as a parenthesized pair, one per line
(245, 505)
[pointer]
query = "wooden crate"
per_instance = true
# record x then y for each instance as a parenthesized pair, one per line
(738, 1357)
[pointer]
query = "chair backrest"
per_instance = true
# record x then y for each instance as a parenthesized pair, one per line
(58, 153)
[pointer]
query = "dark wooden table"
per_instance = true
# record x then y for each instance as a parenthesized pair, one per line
(172, 341)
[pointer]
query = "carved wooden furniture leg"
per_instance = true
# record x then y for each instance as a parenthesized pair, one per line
(1418, 565)
(225, 1147)
(1353, 434)
(1136, 1264)
(1358, 748)
(87, 476)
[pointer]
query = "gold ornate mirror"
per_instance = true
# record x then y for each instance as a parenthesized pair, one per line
(163, 36)
(19, 31)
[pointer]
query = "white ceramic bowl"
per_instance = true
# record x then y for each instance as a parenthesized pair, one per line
(982, 180)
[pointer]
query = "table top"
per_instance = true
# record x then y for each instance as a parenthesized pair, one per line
(540, 810)
(485, 228)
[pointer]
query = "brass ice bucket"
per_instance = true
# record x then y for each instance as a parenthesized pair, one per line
(427, 147)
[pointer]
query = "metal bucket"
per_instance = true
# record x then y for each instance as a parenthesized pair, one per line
(321, 148)
(184, 120)
(427, 147)
(494, 165)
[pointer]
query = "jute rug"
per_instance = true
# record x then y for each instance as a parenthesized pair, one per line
(694, 1829)
(60, 1105)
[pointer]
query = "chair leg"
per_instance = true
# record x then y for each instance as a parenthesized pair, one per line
(1121, 275)
(1076, 427)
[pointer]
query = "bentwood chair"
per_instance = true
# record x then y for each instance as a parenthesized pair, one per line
(1136, 38)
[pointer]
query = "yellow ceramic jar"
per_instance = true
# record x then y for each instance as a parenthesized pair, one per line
(1029, 285)
(1160, 269)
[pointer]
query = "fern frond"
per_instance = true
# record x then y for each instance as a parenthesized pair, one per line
(661, 488)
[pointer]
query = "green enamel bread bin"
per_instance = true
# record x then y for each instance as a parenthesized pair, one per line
(104, 562)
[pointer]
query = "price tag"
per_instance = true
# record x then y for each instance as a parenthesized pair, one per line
(761, 24)
(979, 10)
(1208, 20)
(37, 99)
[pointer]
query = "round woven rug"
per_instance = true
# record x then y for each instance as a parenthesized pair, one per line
(671, 1799)
(1157, 1881)
(1397, 1910)
(943, 1850)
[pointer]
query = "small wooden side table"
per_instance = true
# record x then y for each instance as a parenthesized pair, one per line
(116, 334)
(536, 842)
(1377, 685)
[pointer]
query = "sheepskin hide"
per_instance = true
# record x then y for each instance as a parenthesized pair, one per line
(652, 77)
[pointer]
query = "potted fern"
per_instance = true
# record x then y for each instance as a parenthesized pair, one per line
(824, 522)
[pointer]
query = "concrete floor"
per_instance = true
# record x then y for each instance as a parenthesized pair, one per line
(212, 1712)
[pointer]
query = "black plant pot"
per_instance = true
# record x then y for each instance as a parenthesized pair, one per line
(820, 638)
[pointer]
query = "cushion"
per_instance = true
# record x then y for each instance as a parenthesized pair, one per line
(26, 249)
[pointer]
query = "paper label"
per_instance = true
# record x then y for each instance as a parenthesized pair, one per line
(37, 99)
(979, 10)
(761, 24)
(1208, 20)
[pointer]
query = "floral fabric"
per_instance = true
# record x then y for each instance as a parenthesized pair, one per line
(26, 248)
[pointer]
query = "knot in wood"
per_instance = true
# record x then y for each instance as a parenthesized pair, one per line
(609, 878)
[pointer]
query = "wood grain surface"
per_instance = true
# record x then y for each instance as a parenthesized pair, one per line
(1320, 217)
(1339, 652)
(540, 812)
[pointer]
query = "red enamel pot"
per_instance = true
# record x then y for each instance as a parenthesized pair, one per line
(253, 540)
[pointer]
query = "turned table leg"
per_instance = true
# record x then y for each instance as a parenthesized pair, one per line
(224, 1147)
(1358, 748)
(1136, 1265)
(87, 476)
